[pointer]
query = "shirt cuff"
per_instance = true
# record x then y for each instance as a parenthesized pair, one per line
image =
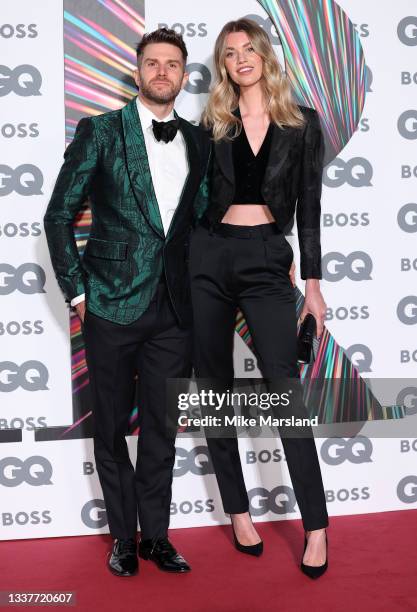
(78, 299)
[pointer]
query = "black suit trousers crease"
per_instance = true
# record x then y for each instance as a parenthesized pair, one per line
(155, 348)
(252, 273)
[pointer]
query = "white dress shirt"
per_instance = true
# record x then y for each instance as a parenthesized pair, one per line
(169, 168)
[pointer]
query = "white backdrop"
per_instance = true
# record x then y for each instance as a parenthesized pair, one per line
(50, 488)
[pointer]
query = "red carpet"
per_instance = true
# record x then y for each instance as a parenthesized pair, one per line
(372, 566)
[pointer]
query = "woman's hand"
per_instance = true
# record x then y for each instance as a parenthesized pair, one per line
(292, 274)
(315, 304)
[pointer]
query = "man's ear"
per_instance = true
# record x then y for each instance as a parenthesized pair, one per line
(136, 77)
(184, 80)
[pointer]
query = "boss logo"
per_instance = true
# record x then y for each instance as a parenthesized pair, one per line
(21, 130)
(343, 495)
(24, 518)
(408, 78)
(407, 264)
(35, 471)
(407, 124)
(24, 229)
(363, 125)
(26, 180)
(21, 30)
(197, 461)
(187, 29)
(192, 507)
(406, 446)
(14, 328)
(30, 376)
(408, 171)
(361, 357)
(342, 313)
(280, 500)
(343, 219)
(267, 25)
(24, 80)
(264, 456)
(356, 266)
(407, 356)
(407, 310)
(407, 489)
(28, 278)
(199, 79)
(407, 31)
(362, 29)
(408, 397)
(93, 514)
(29, 423)
(335, 451)
(407, 218)
(356, 172)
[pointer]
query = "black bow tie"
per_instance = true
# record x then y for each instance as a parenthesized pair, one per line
(165, 130)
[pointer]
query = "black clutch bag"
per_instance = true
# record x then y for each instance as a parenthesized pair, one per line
(305, 339)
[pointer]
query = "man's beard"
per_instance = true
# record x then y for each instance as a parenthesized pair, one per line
(159, 97)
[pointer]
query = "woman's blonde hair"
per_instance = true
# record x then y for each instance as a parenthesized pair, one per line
(224, 96)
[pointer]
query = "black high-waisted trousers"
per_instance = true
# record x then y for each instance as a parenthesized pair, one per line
(248, 267)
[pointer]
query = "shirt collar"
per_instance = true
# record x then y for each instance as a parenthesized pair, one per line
(146, 115)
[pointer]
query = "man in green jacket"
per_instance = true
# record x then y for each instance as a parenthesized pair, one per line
(144, 171)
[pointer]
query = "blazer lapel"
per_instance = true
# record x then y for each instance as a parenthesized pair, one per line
(191, 182)
(280, 146)
(138, 167)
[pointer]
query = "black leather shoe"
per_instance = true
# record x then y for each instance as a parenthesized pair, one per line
(314, 571)
(123, 560)
(163, 554)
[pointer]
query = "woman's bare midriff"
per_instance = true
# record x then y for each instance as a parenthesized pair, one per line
(248, 214)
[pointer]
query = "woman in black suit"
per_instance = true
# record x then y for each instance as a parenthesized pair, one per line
(267, 155)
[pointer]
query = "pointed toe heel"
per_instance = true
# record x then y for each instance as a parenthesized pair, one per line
(310, 570)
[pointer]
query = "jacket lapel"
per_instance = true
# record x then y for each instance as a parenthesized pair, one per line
(191, 182)
(138, 167)
(278, 153)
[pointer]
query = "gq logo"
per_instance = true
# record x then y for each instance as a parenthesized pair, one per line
(26, 180)
(356, 172)
(407, 310)
(361, 357)
(197, 461)
(199, 80)
(93, 514)
(30, 376)
(407, 489)
(408, 397)
(335, 451)
(267, 25)
(281, 500)
(407, 31)
(356, 266)
(407, 218)
(28, 278)
(407, 124)
(24, 80)
(35, 471)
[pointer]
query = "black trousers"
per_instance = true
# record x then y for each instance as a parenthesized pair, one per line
(248, 267)
(155, 348)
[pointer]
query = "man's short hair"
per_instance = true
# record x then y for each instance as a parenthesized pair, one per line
(162, 35)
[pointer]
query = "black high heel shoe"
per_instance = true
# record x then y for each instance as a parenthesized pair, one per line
(313, 571)
(255, 550)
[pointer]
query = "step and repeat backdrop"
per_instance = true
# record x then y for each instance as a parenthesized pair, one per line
(64, 59)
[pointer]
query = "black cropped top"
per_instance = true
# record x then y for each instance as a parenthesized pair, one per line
(249, 169)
